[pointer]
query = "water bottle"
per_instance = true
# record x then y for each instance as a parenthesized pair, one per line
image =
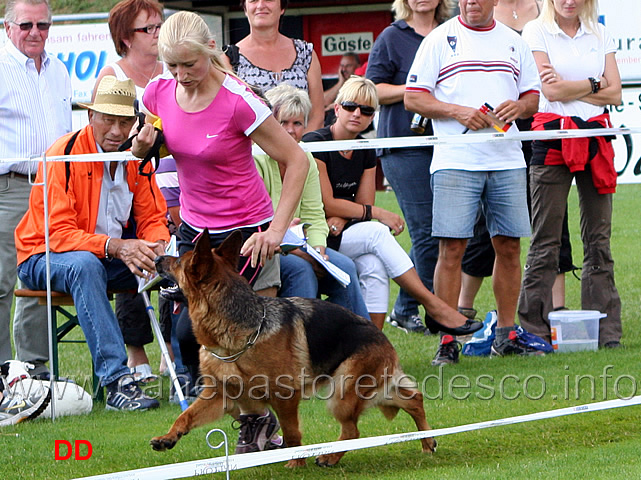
(419, 124)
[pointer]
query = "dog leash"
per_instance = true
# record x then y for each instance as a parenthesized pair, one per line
(250, 343)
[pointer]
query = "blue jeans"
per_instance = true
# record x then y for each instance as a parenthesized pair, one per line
(408, 172)
(299, 280)
(87, 278)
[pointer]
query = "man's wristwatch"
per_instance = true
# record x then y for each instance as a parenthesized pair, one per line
(596, 84)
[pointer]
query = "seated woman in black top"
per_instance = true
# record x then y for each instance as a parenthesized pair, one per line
(348, 186)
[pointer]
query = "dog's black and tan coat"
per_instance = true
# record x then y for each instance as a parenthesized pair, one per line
(299, 343)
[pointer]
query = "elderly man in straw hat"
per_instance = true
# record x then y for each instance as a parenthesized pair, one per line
(90, 203)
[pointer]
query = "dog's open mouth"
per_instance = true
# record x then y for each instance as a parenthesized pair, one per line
(173, 293)
(169, 288)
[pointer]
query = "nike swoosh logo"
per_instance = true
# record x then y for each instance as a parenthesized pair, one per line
(17, 407)
(211, 136)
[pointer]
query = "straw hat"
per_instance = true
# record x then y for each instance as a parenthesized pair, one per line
(114, 97)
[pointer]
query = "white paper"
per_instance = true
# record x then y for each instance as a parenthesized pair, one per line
(296, 235)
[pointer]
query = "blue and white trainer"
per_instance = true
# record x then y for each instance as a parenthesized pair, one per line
(125, 394)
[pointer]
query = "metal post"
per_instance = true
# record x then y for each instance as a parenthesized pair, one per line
(224, 442)
(45, 201)
(163, 350)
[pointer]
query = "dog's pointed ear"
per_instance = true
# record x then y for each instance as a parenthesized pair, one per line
(230, 248)
(202, 250)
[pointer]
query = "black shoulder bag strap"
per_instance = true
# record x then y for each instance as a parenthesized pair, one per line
(67, 151)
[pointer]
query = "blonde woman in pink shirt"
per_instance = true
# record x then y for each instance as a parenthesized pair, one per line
(210, 119)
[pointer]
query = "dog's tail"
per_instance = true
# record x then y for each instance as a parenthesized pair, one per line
(400, 385)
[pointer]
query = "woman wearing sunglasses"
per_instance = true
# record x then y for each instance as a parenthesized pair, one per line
(348, 188)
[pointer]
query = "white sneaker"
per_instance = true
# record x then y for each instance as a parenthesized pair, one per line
(20, 401)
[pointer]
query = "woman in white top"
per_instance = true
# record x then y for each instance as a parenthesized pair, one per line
(579, 75)
(134, 27)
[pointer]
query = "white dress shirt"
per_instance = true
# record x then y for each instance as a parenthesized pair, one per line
(35, 107)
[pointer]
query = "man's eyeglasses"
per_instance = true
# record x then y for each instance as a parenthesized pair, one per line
(150, 29)
(352, 106)
(27, 26)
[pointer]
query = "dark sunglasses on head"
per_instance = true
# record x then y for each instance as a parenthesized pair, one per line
(27, 26)
(352, 106)
(150, 29)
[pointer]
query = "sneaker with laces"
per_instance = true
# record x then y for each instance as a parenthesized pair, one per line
(258, 433)
(19, 404)
(512, 346)
(413, 323)
(447, 352)
(125, 394)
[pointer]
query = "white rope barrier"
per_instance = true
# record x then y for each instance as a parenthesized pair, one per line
(391, 142)
(237, 462)
(248, 460)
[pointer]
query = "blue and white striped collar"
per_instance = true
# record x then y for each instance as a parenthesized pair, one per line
(22, 59)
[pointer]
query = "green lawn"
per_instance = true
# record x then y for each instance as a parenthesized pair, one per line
(591, 445)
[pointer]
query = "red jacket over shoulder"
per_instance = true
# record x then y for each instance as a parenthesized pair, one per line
(576, 153)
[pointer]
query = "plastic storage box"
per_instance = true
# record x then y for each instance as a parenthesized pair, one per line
(575, 330)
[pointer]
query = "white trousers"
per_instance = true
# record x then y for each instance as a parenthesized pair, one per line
(378, 257)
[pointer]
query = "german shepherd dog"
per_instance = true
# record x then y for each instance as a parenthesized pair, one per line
(289, 344)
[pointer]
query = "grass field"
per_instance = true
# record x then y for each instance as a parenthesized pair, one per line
(593, 445)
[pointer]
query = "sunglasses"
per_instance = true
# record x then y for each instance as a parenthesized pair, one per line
(150, 29)
(27, 26)
(352, 106)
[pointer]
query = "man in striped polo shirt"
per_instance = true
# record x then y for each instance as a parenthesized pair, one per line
(466, 66)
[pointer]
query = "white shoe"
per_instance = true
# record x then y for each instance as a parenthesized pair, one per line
(20, 401)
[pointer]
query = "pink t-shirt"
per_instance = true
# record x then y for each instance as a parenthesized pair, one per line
(220, 187)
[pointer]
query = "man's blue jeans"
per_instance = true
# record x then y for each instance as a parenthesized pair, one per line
(87, 278)
(299, 280)
(408, 172)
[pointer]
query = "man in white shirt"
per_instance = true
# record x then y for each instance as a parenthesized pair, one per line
(467, 62)
(35, 109)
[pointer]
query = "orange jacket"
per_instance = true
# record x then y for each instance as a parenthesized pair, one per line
(74, 201)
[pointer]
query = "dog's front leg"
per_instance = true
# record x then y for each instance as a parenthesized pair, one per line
(287, 412)
(203, 410)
